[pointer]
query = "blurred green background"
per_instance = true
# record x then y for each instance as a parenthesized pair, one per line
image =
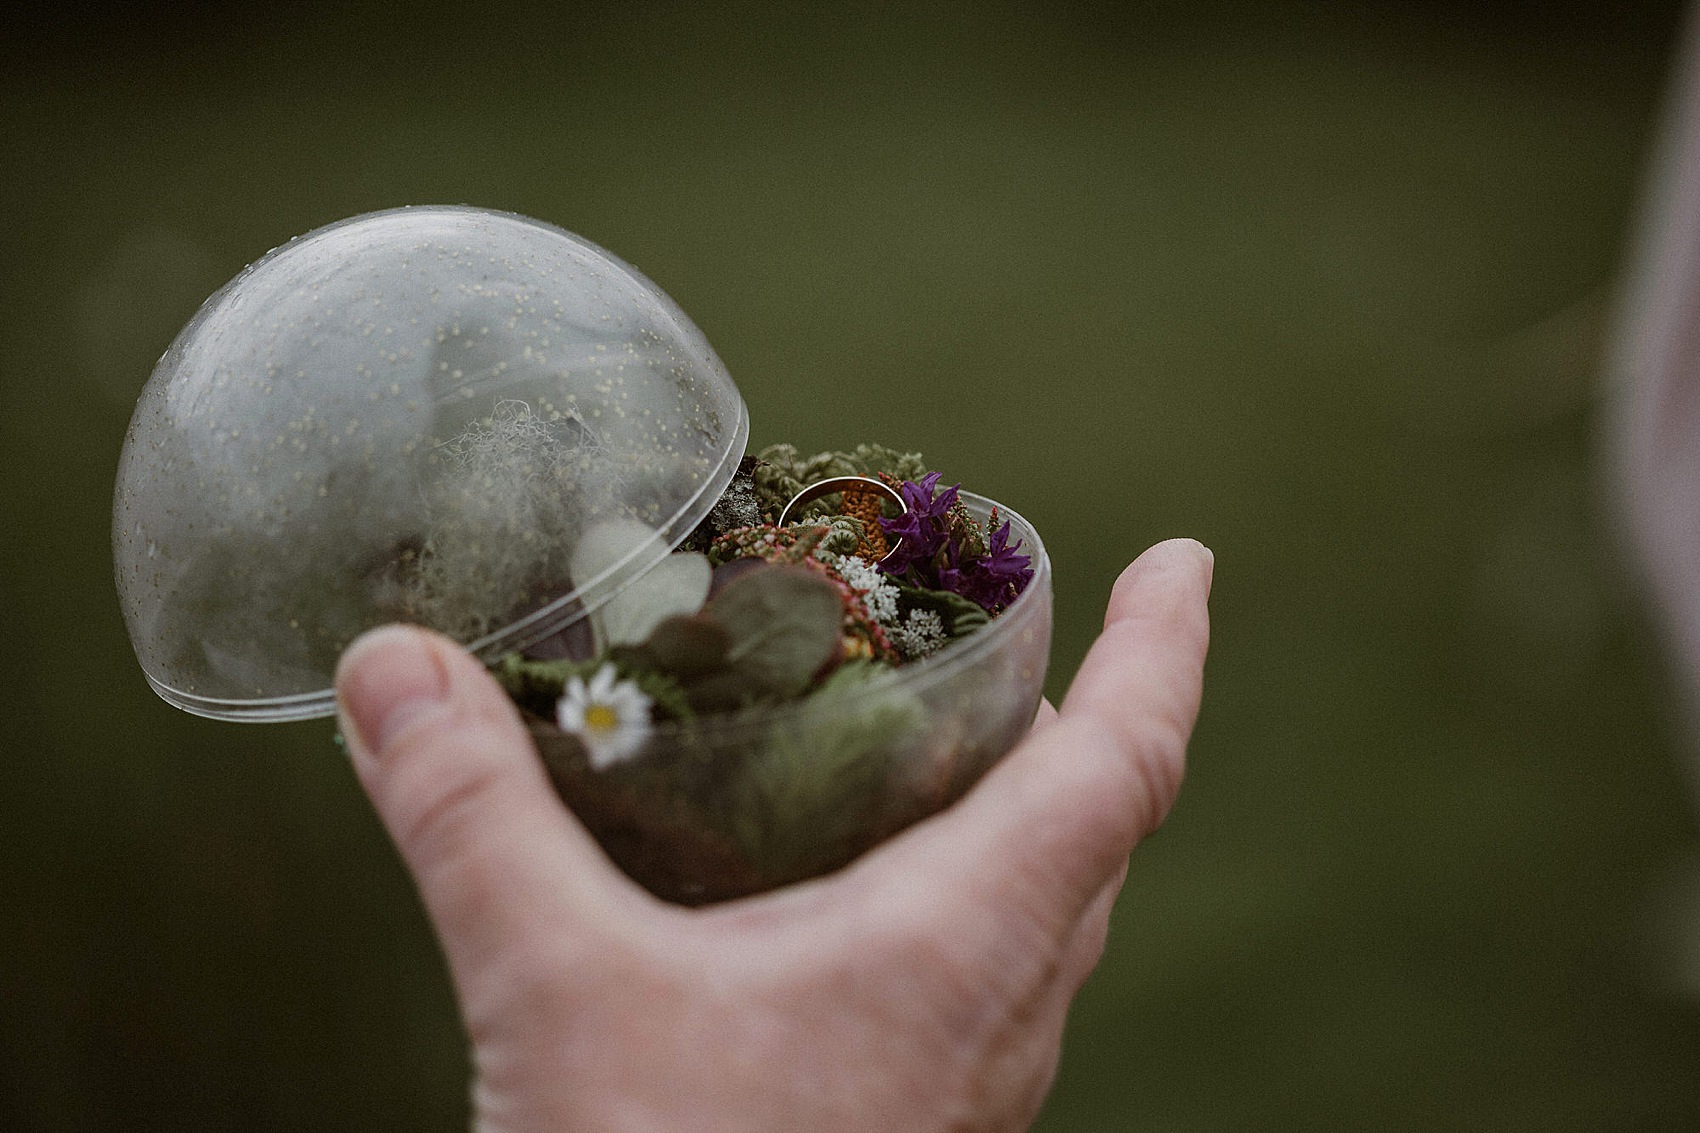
(1325, 286)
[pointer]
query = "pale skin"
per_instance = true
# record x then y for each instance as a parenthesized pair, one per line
(924, 987)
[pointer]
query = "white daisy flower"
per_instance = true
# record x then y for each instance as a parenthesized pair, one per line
(610, 716)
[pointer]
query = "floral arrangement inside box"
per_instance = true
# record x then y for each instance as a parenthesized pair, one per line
(719, 717)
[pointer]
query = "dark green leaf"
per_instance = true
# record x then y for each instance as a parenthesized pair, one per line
(782, 625)
(957, 615)
(687, 647)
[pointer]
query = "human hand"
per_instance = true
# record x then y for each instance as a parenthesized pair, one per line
(922, 987)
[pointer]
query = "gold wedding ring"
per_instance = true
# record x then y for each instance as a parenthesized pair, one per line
(860, 485)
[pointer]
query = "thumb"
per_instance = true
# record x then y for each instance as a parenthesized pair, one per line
(1057, 818)
(502, 868)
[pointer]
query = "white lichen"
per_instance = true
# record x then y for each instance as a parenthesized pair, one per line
(504, 515)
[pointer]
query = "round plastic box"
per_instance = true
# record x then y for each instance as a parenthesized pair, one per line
(413, 415)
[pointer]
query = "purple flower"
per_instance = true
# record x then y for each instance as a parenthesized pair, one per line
(930, 555)
(924, 528)
(995, 579)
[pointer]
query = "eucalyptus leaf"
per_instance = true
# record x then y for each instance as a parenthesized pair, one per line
(727, 571)
(726, 690)
(782, 624)
(687, 646)
(675, 586)
(605, 545)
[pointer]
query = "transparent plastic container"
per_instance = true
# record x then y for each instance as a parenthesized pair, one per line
(717, 808)
(414, 415)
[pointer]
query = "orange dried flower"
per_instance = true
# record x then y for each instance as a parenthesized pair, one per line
(865, 506)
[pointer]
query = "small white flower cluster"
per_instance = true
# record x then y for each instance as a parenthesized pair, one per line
(920, 634)
(878, 595)
(915, 636)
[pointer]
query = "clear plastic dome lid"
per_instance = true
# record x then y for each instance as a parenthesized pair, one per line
(411, 415)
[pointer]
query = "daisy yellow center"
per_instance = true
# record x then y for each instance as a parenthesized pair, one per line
(601, 718)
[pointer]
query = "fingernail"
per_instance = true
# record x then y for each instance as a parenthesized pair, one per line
(386, 680)
(1209, 558)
